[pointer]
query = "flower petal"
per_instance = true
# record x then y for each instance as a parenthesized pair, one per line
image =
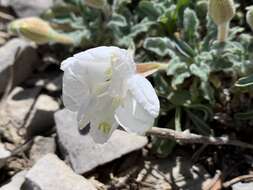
(75, 91)
(99, 111)
(144, 93)
(102, 133)
(133, 117)
(95, 66)
(84, 112)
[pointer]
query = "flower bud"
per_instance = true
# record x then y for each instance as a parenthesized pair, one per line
(37, 30)
(146, 69)
(98, 4)
(249, 17)
(201, 8)
(221, 11)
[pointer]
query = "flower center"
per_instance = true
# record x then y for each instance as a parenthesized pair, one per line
(104, 127)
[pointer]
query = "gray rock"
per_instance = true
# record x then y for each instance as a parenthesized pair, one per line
(4, 154)
(22, 62)
(83, 153)
(41, 119)
(55, 85)
(175, 172)
(50, 173)
(16, 182)
(19, 104)
(242, 186)
(26, 8)
(42, 146)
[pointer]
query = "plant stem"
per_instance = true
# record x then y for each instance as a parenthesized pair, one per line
(223, 30)
(191, 138)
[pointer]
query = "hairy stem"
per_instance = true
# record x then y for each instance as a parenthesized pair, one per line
(223, 30)
(191, 138)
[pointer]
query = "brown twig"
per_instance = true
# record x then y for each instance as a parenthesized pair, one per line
(214, 183)
(191, 138)
(237, 179)
(6, 16)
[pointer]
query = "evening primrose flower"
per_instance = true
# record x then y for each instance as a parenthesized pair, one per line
(102, 86)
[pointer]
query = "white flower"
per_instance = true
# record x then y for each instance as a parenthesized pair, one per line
(102, 86)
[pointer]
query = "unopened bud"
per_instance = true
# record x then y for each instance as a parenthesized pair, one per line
(222, 12)
(146, 69)
(98, 4)
(37, 30)
(249, 17)
(202, 7)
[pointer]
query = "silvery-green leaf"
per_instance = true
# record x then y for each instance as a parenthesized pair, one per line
(208, 91)
(211, 34)
(141, 27)
(233, 33)
(202, 71)
(176, 66)
(179, 79)
(150, 9)
(117, 20)
(179, 71)
(191, 25)
(180, 97)
(162, 46)
(245, 81)
(184, 49)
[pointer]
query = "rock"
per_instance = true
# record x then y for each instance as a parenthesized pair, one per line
(19, 104)
(42, 146)
(41, 119)
(25, 8)
(4, 154)
(23, 62)
(175, 172)
(50, 173)
(242, 186)
(83, 153)
(55, 85)
(16, 182)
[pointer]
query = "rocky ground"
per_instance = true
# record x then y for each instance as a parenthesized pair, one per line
(41, 147)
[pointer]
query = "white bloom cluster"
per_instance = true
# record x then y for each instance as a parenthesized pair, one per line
(102, 86)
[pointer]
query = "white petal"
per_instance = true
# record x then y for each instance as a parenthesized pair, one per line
(99, 136)
(75, 91)
(94, 64)
(133, 117)
(99, 111)
(144, 93)
(85, 111)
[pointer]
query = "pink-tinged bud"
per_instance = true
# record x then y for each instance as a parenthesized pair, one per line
(37, 30)
(146, 69)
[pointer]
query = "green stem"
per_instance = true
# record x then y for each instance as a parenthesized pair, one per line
(178, 119)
